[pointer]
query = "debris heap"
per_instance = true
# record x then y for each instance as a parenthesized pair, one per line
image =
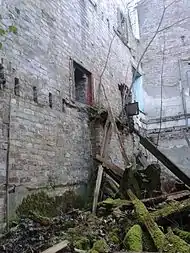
(154, 224)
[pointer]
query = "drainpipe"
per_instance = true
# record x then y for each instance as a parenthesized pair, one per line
(184, 105)
(188, 81)
(182, 96)
(7, 165)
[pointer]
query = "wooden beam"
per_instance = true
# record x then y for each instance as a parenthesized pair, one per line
(56, 248)
(163, 159)
(105, 143)
(111, 166)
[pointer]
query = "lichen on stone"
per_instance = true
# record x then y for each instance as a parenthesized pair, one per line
(133, 239)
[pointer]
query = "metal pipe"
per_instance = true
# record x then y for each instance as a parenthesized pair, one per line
(182, 95)
(188, 81)
(7, 165)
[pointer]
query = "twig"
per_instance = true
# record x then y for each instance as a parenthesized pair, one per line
(161, 89)
(105, 66)
(144, 52)
(158, 30)
(173, 24)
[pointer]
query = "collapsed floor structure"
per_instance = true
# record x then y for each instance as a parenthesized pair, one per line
(68, 124)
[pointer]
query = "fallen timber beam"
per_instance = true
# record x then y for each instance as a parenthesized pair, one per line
(164, 243)
(111, 169)
(163, 159)
(176, 196)
(171, 209)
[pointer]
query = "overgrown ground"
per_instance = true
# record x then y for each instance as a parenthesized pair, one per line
(44, 221)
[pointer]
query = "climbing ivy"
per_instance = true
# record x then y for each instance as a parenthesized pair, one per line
(4, 32)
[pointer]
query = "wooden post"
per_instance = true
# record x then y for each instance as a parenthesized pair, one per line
(105, 143)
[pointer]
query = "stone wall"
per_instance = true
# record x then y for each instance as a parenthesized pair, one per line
(175, 42)
(51, 144)
(170, 51)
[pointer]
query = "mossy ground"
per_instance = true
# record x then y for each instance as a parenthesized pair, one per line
(185, 235)
(101, 246)
(133, 239)
(44, 205)
(176, 244)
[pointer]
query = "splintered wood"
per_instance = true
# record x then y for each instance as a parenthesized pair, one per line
(105, 143)
(57, 247)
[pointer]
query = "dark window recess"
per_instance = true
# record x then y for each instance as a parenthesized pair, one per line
(63, 105)
(16, 87)
(83, 85)
(2, 77)
(50, 100)
(35, 95)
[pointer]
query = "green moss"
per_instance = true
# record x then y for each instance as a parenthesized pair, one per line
(155, 232)
(113, 237)
(133, 239)
(39, 203)
(114, 202)
(176, 244)
(93, 251)
(182, 234)
(171, 208)
(44, 205)
(101, 246)
(82, 243)
(145, 218)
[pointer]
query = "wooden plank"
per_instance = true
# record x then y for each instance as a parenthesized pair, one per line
(110, 166)
(121, 144)
(163, 159)
(56, 248)
(105, 142)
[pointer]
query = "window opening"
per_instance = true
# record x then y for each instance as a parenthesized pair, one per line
(50, 100)
(122, 28)
(16, 87)
(35, 95)
(63, 105)
(83, 85)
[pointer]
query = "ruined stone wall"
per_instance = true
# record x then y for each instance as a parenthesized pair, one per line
(170, 50)
(175, 41)
(52, 146)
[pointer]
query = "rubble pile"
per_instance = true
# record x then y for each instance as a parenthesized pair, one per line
(155, 224)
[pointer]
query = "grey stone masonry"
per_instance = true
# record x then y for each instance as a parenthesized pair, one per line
(50, 137)
(167, 61)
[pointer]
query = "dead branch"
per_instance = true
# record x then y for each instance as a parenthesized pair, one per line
(158, 30)
(173, 24)
(145, 50)
(161, 89)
